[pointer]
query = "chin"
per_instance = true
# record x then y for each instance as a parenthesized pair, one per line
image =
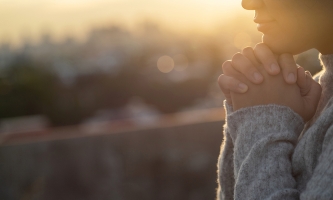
(282, 45)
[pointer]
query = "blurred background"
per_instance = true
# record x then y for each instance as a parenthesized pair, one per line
(116, 99)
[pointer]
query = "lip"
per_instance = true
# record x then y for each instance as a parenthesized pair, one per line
(264, 26)
(262, 20)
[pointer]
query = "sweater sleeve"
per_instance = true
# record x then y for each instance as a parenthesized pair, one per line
(225, 165)
(264, 138)
(320, 186)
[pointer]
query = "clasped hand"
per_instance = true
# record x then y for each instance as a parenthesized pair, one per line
(253, 78)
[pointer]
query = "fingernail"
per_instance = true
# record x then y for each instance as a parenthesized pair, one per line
(275, 67)
(257, 76)
(242, 87)
(291, 78)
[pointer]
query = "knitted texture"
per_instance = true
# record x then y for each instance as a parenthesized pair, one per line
(265, 156)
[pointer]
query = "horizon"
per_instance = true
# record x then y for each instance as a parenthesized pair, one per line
(30, 19)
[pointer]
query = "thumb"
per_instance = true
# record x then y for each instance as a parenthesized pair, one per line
(302, 81)
(313, 95)
(228, 84)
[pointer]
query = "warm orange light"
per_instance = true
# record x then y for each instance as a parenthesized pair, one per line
(76, 17)
(242, 40)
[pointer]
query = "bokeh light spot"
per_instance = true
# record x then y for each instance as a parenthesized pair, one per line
(242, 40)
(165, 64)
(181, 62)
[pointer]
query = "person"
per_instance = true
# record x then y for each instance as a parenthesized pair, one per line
(278, 134)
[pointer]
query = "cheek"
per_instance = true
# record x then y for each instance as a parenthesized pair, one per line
(295, 31)
(290, 35)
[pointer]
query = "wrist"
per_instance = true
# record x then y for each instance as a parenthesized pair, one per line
(264, 119)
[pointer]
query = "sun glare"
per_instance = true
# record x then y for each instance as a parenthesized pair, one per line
(70, 1)
(242, 40)
(76, 16)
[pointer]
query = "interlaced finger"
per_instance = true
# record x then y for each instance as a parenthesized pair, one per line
(243, 65)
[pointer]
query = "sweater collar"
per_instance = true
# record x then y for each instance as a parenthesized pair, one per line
(327, 62)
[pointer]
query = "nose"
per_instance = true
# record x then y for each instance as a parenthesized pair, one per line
(252, 4)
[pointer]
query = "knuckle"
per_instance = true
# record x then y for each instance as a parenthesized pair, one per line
(236, 56)
(219, 79)
(238, 61)
(227, 62)
(247, 50)
(259, 46)
(222, 83)
(242, 65)
(226, 65)
(223, 79)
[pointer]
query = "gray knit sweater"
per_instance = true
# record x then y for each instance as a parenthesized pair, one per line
(269, 153)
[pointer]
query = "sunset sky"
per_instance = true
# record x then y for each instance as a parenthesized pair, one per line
(30, 18)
